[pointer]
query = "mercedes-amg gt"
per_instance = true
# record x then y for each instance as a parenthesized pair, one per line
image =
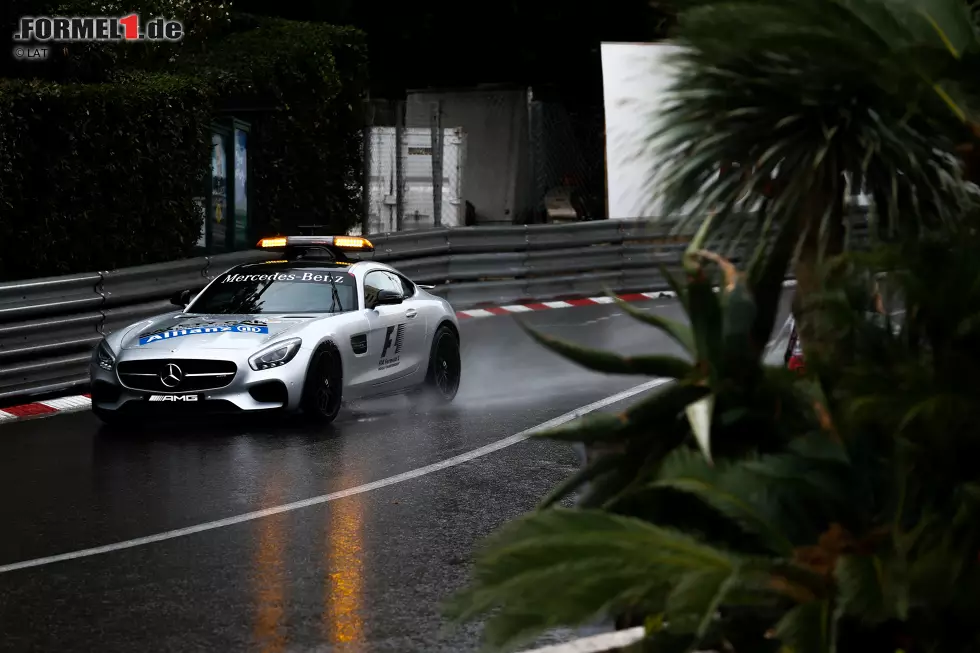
(305, 333)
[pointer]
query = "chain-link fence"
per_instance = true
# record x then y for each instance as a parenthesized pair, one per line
(567, 160)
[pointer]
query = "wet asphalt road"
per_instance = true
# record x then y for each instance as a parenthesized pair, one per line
(361, 573)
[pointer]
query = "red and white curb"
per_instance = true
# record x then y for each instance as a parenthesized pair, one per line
(46, 408)
(76, 403)
(527, 307)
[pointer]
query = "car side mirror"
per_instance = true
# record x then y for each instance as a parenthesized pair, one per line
(388, 298)
(181, 298)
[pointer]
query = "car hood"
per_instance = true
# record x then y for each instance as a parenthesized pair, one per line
(188, 331)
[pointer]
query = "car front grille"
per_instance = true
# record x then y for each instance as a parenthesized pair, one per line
(169, 375)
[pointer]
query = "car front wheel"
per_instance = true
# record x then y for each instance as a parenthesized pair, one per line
(445, 367)
(323, 390)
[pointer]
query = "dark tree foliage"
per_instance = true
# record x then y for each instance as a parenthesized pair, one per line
(300, 84)
(436, 43)
(307, 80)
(97, 176)
(203, 20)
(105, 145)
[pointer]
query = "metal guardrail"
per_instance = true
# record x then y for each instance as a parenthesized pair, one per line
(474, 265)
(48, 327)
(494, 240)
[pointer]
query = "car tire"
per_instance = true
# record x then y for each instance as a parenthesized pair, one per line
(323, 388)
(445, 367)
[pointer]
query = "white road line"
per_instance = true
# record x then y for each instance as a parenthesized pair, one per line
(602, 300)
(597, 643)
(68, 403)
(324, 498)
(478, 312)
(776, 339)
(558, 304)
(517, 308)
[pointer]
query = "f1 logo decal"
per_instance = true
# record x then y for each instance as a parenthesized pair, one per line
(397, 341)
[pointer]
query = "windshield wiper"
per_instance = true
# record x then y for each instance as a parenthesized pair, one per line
(335, 297)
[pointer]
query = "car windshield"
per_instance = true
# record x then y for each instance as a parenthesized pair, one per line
(279, 291)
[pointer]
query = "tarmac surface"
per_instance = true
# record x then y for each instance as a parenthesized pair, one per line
(365, 570)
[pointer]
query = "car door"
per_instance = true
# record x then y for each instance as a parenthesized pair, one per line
(415, 350)
(387, 329)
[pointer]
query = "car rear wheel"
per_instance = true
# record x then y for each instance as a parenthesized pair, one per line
(445, 367)
(323, 390)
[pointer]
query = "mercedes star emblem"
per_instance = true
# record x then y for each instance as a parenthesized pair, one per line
(171, 376)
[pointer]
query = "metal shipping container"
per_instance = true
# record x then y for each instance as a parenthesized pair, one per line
(495, 120)
(416, 153)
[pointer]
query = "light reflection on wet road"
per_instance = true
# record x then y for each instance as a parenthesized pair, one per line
(363, 573)
(343, 616)
(270, 629)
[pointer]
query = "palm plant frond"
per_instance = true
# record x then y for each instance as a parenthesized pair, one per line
(740, 503)
(649, 365)
(594, 557)
(808, 628)
(801, 95)
(862, 527)
(725, 340)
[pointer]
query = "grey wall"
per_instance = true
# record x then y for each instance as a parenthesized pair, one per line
(495, 179)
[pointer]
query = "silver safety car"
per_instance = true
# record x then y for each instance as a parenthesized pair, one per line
(308, 332)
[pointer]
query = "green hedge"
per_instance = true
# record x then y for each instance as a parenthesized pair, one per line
(97, 176)
(306, 151)
(102, 175)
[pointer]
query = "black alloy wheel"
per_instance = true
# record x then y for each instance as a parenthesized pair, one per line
(323, 392)
(445, 366)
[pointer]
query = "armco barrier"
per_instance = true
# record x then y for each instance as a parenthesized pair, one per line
(48, 327)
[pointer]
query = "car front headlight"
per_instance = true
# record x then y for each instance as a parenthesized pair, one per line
(275, 355)
(104, 356)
